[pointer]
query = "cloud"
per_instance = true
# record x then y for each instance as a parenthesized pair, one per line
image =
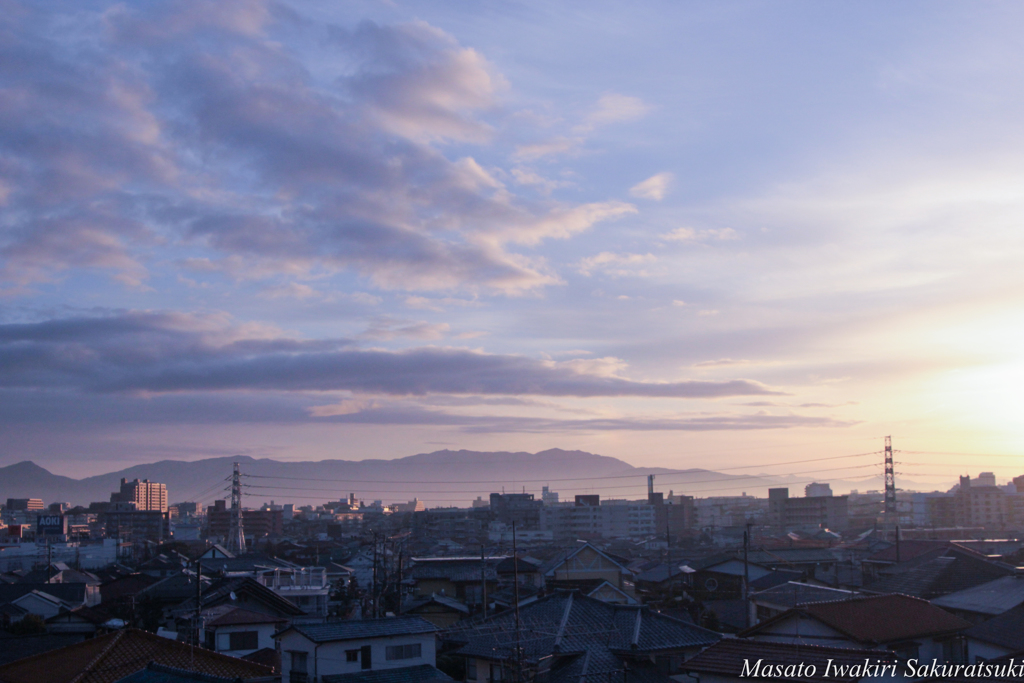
(615, 264)
(614, 108)
(213, 139)
(386, 328)
(692, 235)
(652, 188)
(538, 150)
(161, 353)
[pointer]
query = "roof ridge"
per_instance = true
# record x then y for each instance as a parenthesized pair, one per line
(118, 636)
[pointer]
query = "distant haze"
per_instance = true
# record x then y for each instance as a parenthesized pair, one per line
(439, 478)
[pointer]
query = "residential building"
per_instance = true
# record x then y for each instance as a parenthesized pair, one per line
(256, 524)
(119, 654)
(310, 652)
(909, 627)
(814, 490)
(585, 565)
(238, 632)
(26, 504)
(817, 512)
(145, 494)
(572, 637)
(306, 587)
(126, 522)
(519, 508)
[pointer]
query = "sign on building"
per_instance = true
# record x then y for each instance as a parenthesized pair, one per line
(51, 525)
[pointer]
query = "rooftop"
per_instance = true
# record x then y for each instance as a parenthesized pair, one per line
(364, 628)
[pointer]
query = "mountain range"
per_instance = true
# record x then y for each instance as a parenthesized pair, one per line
(439, 478)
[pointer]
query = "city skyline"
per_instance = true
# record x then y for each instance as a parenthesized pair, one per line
(682, 235)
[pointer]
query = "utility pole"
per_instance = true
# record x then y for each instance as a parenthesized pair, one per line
(515, 579)
(746, 574)
(236, 537)
(891, 517)
(483, 580)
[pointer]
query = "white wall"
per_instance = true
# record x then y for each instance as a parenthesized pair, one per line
(330, 658)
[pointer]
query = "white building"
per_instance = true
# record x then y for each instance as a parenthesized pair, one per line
(311, 651)
(238, 632)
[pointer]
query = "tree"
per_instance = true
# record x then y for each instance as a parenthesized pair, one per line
(30, 624)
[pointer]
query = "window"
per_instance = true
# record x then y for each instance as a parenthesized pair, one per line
(410, 651)
(470, 669)
(366, 657)
(298, 670)
(351, 655)
(244, 640)
(495, 673)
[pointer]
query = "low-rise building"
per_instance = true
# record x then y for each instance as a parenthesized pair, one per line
(310, 652)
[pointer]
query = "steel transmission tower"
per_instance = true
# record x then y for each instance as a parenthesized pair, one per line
(891, 518)
(236, 537)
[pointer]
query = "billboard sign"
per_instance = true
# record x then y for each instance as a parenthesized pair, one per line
(51, 525)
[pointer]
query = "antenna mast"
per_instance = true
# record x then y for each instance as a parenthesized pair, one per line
(236, 537)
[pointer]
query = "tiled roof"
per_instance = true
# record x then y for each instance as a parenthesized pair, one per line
(570, 622)
(156, 673)
(71, 593)
(458, 570)
(775, 577)
(786, 556)
(423, 673)
(869, 620)
(239, 616)
(792, 594)
(13, 647)
(909, 550)
(364, 628)
(955, 569)
(993, 597)
(222, 589)
(726, 657)
(451, 603)
(1005, 630)
(109, 658)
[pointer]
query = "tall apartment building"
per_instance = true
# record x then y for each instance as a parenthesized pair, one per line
(145, 494)
(25, 504)
(810, 512)
(590, 518)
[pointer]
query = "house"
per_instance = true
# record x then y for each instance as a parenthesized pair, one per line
(424, 673)
(566, 636)
(112, 657)
(777, 599)
(585, 564)
(439, 610)
(311, 651)
(1000, 636)
(730, 660)
(978, 603)
(455, 577)
(42, 604)
(940, 572)
(910, 627)
(88, 621)
(238, 632)
(70, 594)
(720, 577)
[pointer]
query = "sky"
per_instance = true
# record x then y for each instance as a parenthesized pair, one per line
(683, 234)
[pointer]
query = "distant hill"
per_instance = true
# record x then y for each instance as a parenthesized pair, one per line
(439, 478)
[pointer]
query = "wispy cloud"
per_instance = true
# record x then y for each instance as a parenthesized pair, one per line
(652, 188)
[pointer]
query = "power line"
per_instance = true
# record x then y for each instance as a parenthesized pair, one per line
(589, 488)
(547, 481)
